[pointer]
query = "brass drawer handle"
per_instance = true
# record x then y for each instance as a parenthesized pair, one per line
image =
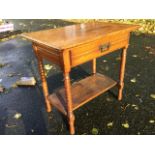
(104, 47)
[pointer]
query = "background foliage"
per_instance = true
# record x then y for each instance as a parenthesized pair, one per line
(0, 21)
(147, 25)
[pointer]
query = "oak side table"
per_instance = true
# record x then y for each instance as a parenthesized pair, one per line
(74, 45)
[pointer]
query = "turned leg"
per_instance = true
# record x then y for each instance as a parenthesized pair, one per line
(69, 102)
(44, 83)
(94, 66)
(122, 72)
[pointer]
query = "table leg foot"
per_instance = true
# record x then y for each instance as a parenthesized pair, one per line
(120, 96)
(71, 124)
(48, 106)
(120, 91)
(94, 66)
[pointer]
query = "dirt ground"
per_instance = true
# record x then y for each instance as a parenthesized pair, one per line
(22, 109)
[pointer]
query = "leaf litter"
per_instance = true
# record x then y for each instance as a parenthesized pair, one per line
(125, 125)
(17, 115)
(94, 131)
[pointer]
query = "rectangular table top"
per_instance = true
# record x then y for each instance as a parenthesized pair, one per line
(74, 35)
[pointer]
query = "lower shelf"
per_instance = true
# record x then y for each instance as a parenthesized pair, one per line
(82, 91)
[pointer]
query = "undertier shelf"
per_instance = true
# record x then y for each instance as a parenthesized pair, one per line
(82, 91)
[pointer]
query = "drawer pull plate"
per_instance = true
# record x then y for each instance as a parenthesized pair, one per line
(104, 47)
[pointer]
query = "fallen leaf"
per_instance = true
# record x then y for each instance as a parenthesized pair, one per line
(125, 125)
(118, 58)
(2, 65)
(32, 130)
(17, 115)
(31, 22)
(134, 56)
(150, 52)
(19, 74)
(104, 60)
(140, 100)
(152, 96)
(48, 67)
(54, 26)
(133, 80)
(2, 89)
(13, 36)
(110, 124)
(106, 68)
(147, 47)
(136, 108)
(151, 121)
(11, 74)
(133, 105)
(8, 65)
(20, 23)
(5, 39)
(109, 99)
(94, 131)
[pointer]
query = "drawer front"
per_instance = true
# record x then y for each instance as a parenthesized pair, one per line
(98, 48)
(48, 53)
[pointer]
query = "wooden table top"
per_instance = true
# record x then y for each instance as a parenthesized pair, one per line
(74, 35)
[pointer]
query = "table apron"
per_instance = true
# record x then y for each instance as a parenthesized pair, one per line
(81, 55)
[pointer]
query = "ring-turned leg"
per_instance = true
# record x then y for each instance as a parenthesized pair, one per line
(122, 72)
(69, 102)
(44, 83)
(43, 78)
(94, 66)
